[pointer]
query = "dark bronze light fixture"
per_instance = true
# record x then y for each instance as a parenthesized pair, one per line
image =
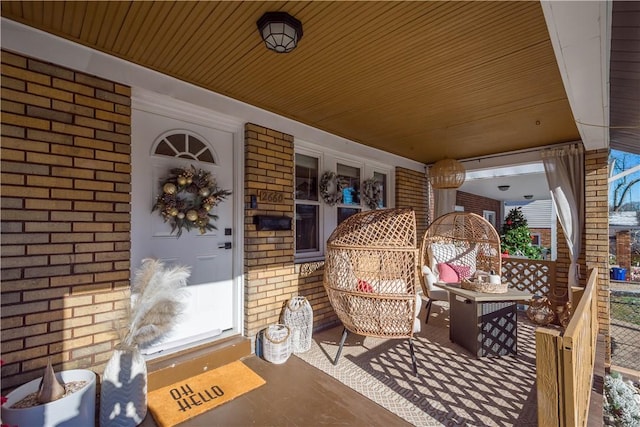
(280, 31)
(528, 196)
(503, 187)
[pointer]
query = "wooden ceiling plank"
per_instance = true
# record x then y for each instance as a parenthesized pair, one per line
(75, 19)
(168, 35)
(154, 23)
(32, 11)
(114, 21)
(421, 40)
(131, 27)
(205, 41)
(179, 33)
(52, 18)
(233, 45)
(387, 98)
(12, 10)
(97, 20)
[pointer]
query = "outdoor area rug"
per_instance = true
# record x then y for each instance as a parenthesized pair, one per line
(185, 399)
(452, 386)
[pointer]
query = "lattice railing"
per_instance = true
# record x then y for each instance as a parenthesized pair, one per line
(535, 276)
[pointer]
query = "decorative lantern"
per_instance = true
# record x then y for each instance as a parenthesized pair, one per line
(298, 316)
(446, 173)
(276, 347)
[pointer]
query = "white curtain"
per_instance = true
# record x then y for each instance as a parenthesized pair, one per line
(564, 168)
(445, 200)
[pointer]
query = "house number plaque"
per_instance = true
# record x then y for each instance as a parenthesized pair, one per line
(271, 196)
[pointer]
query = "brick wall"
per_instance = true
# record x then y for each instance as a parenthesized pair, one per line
(623, 250)
(545, 236)
(597, 234)
(65, 216)
(477, 204)
(270, 279)
(412, 191)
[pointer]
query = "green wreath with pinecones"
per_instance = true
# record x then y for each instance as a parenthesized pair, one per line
(187, 197)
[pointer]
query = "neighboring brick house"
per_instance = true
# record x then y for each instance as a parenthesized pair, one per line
(483, 206)
(66, 213)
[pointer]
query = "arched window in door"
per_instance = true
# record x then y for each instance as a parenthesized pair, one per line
(186, 145)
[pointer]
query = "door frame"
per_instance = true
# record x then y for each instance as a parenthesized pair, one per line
(166, 106)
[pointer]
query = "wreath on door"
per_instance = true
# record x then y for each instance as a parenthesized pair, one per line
(187, 197)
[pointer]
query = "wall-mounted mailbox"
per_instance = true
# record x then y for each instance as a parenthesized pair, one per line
(272, 223)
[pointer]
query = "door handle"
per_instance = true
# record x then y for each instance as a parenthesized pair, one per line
(225, 245)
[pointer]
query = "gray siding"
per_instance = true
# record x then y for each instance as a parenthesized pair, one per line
(537, 212)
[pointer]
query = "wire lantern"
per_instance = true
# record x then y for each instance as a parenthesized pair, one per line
(298, 316)
(277, 344)
(446, 173)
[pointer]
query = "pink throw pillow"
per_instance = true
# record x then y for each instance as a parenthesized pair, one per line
(364, 286)
(453, 273)
(463, 271)
(446, 273)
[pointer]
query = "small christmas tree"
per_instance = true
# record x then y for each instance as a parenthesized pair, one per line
(515, 238)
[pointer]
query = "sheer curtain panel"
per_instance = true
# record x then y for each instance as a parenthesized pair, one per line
(564, 168)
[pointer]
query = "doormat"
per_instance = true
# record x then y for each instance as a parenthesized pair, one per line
(193, 396)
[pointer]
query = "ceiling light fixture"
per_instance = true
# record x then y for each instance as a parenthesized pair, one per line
(528, 196)
(447, 173)
(280, 31)
(503, 187)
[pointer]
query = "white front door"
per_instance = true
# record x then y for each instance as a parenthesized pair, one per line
(160, 143)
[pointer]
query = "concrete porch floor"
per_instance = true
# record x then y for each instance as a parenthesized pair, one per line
(296, 394)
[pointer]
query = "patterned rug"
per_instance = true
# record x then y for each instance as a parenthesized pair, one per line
(452, 387)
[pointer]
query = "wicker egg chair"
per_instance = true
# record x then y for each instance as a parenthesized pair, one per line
(370, 275)
(464, 241)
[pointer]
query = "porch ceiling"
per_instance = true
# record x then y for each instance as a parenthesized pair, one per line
(423, 80)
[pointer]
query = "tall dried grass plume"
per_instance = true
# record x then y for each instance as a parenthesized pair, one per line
(157, 300)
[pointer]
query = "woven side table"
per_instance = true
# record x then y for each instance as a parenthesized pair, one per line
(298, 316)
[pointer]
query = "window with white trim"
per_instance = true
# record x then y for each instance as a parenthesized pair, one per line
(350, 205)
(307, 224)
(381, 179)
(314, 218)
(185, 144)
(536, 239)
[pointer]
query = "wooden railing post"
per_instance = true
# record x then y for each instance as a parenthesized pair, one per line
(548, 373)
(565, 364)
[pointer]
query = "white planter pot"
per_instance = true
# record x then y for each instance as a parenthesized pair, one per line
(123, 392)
(75, 410)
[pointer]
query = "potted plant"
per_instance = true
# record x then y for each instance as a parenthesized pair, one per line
(67, 398)
(156, 303)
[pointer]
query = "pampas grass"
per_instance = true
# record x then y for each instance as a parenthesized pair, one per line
(157, 300)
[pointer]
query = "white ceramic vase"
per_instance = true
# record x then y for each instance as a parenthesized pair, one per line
(123, 394)
(75, 410)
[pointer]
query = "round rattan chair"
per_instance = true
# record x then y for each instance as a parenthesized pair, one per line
(370, 275)
(463, 241)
